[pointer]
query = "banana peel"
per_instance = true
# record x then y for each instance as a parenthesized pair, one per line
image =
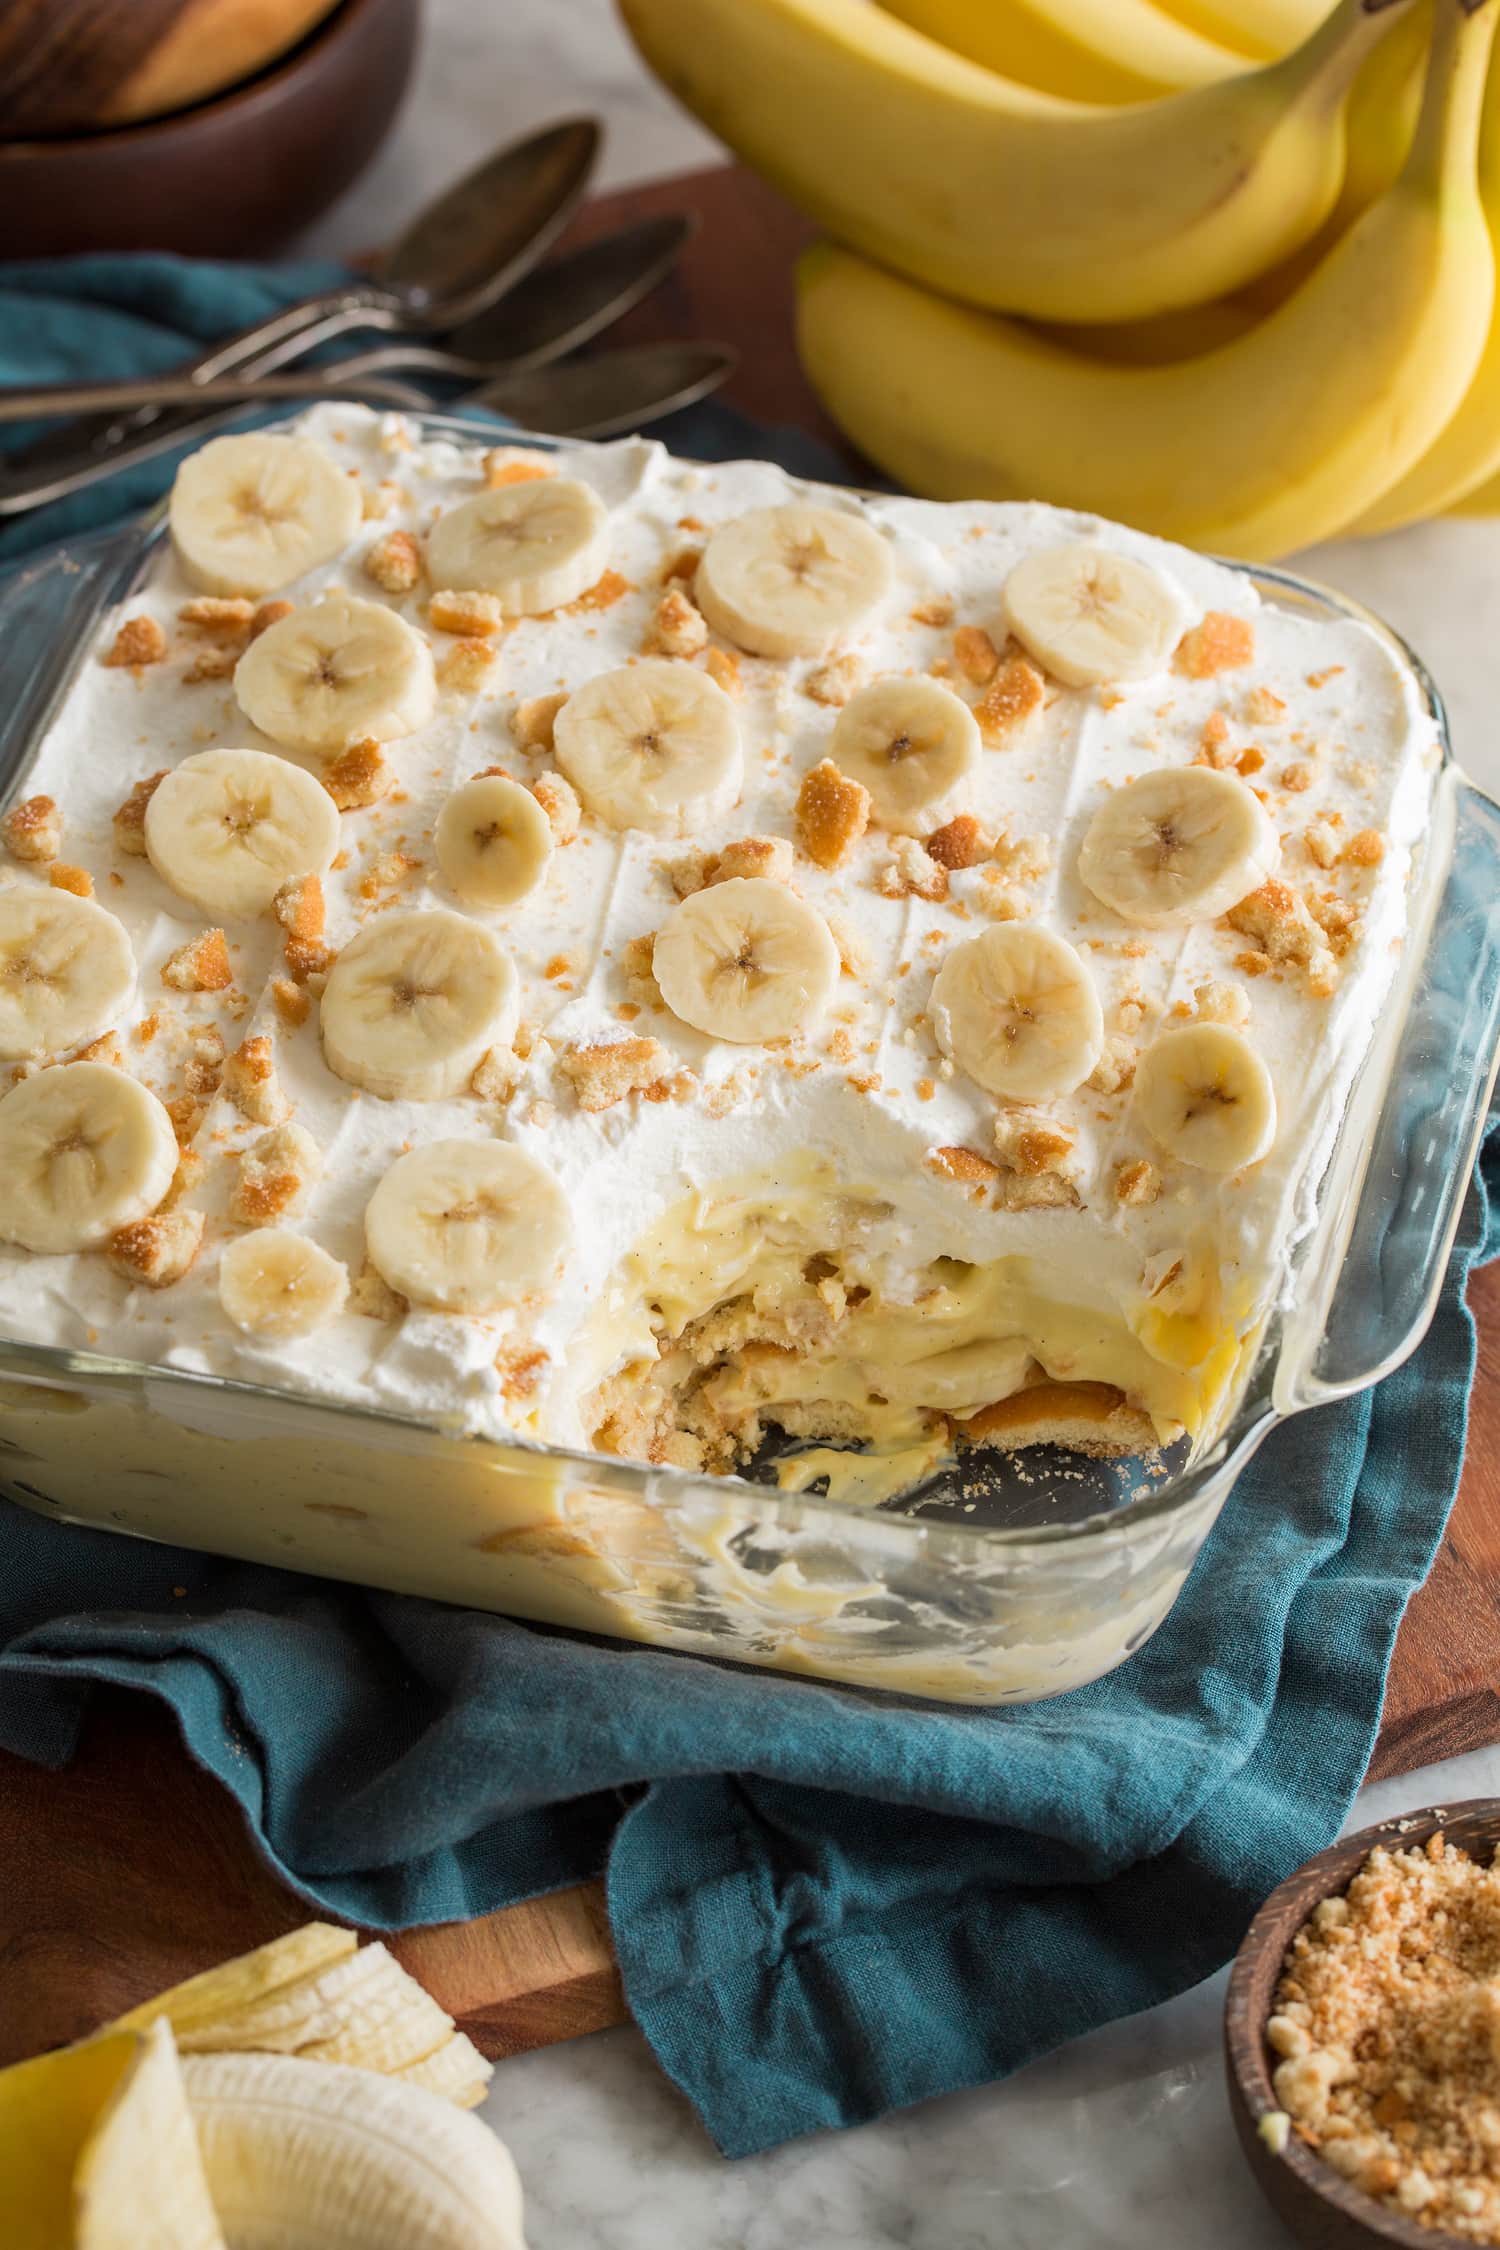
(97, 2150)
(320, 2082)
(246, 1979)
(320, 1996)
(139, 2182)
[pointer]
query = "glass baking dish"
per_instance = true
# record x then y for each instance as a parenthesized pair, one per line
(991, 1586)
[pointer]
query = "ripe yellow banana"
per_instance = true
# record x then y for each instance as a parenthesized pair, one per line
(1466, 454)
(999, 194)
(1484, 500)
(1256, 27)
(1276, 439)
(1379, 122)
(1089, 50)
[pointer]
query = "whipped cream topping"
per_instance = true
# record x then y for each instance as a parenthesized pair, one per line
(867, 1090)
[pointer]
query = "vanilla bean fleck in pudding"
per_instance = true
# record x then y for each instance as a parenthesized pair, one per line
(655, 958)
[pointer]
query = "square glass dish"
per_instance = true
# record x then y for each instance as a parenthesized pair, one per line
(989, 1584)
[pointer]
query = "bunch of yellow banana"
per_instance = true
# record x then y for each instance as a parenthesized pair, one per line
(1222, 268)
(308, 2096)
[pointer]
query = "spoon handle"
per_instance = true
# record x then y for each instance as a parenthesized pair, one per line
(72, 458)
(179, 390)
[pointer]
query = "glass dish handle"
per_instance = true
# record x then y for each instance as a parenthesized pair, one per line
(48, 610)
(1421, 1160)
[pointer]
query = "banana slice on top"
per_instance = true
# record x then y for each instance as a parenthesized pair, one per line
(66, 972)
(339, 671)
(1180, 845)
(249, 514)
(1088, 615)
(1017, 1010)
(654, 745)
(413, 1003)
(788, 581)
(493, 841)
(227, 828)
(533, 546)
(1206, 1095)
(278, 1284)
(467, 1226)
(913, 743)
(747, 960)
(84, 1149)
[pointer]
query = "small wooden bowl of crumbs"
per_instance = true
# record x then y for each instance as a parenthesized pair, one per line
(1362, 2036)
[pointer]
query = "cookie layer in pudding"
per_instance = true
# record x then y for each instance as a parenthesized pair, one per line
(705, 955)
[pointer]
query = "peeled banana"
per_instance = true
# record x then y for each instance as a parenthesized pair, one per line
(533, 545)
(493, 841)
(1179, 845)
(790, 581)
(912, 743)
(85, 1149)
(747, 960)
(342, 670)
(1274, 440)
(1205, 1096)
(1089, 615)
(1018, 1011)
(467, 1226)
(278, 1284)
(250, 514)
(66, 972)
(415, 1001)
(226, 829)
(316, 2156)
(653, 745)
(1004, 196)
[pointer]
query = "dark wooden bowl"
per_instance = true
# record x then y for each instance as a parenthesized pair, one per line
(1320, 2207)
(70, 66)
(237, 176)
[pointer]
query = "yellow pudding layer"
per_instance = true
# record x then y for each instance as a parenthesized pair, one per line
(772, 1303)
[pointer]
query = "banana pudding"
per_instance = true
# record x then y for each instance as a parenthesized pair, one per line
(673, 962)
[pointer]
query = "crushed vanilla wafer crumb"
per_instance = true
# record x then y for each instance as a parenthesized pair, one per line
(531, 722)
(130, 818)
(677, 626)
(202, 965)
(1386, 2024)
(359, 776)
(139, 641)
(833, 812)
(394, 562)
(33, 829)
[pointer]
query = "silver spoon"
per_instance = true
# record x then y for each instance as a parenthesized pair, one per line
(555, 310)
(609, 393)
(612, 390)
(457, 257)
(597, 397)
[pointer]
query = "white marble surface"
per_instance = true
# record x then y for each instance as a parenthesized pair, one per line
(1122, 2139)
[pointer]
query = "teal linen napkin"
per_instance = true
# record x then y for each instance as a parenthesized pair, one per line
(825, 1904)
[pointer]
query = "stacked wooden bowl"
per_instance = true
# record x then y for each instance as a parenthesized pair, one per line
(213, 127)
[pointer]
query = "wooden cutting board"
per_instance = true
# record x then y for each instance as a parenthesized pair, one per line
(133, 1868)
